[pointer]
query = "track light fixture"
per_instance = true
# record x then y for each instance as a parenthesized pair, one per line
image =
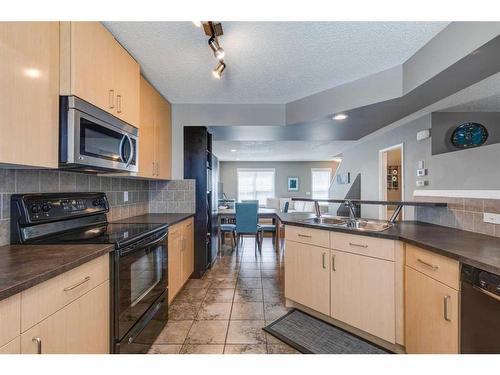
(213, 30)
(217, 72)
(218, 51)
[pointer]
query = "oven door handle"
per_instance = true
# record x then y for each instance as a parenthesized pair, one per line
(142, 246)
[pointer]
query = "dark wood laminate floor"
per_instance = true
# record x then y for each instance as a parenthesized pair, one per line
(225, 311)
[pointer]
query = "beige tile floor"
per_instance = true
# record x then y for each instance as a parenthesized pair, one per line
(224, 312)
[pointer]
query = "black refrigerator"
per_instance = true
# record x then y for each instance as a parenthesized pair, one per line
(201, 165)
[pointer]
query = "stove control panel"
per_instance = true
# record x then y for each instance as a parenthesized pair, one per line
(49, 207)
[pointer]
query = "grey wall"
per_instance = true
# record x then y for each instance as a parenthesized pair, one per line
(474, 169)
(228, 175)
(47, 181)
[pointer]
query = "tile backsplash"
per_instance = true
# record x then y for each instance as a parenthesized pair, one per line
(175, 196)
(179, 194)
(461, 213)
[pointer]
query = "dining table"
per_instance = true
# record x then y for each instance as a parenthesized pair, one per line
(263, 213)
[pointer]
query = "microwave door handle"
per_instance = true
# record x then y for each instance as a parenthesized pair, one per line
(131, 151)
(121, 149)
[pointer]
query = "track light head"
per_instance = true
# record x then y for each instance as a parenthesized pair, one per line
(217, 72)
(214, 46)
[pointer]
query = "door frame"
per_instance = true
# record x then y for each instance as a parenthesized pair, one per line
(382, 179)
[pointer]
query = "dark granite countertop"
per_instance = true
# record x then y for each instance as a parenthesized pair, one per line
(169, 219)
(475, 249)
(24, 266)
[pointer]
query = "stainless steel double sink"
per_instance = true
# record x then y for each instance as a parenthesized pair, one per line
(344, 222)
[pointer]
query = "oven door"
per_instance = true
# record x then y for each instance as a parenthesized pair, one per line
(140, 279)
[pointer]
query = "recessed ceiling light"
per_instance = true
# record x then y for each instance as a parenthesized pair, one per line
(233, 150)
(197, 23)
(217, 72)
(340, 116)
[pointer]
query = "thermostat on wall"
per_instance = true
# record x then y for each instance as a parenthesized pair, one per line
(423, 134)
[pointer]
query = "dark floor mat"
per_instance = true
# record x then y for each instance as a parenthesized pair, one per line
(310, 335)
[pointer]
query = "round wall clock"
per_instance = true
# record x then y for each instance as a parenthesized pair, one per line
(468, 135)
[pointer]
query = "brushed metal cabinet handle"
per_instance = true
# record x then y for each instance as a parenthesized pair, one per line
(38, 342)
(324, 260)
(435, 268)
(77, 284)
(119, 103)
(304, 235)
(333, 263)
(358, 245)
(446, 308)
(111, 99)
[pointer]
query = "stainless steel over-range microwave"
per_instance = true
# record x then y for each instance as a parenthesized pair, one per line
(93, 140)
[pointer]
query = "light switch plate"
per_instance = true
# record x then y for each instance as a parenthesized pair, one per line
(491, 218)
(125, 196)
(421, 172)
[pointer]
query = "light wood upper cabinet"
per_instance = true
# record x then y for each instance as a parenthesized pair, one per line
(81, 327)
(307, 275)
(363, 293)
(29, 94)
(155, 135)
(97, 69)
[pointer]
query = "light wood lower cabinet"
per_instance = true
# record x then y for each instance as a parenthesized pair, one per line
(180, 256)
(431, 315)
(363, 293)
(174, 261)
(80, 327)
(29, 93)
(307, 275)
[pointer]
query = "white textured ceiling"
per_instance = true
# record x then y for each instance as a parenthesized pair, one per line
(267, 62)
(278, 150)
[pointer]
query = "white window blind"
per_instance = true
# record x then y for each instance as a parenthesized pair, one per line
(255, 184)
(320, 181)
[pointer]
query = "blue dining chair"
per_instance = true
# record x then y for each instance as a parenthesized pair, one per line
(247, 222)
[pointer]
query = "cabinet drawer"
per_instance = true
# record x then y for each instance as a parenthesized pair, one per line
(48, 297)
(438, 267)
(10, 317)
(363, 245)
(307, 235)
(13, 347)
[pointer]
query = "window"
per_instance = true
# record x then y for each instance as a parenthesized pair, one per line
(320, 182)
(255, 184)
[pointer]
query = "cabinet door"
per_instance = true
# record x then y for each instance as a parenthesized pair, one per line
(362, 293)
(188, 250)
(174, 261)
(13, 347)
(147, 139)
(91, 65)
(126, 84)
(164, 139)
(431, 309)
(29, 93)
(307, 275)
(81, 327)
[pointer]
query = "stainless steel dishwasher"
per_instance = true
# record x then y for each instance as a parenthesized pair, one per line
(480, 311)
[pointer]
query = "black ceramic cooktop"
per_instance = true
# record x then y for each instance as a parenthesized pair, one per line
(117, 234)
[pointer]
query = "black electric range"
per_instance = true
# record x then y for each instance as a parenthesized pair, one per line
(138, 274)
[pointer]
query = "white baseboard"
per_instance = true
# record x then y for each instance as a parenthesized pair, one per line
(481, 194)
